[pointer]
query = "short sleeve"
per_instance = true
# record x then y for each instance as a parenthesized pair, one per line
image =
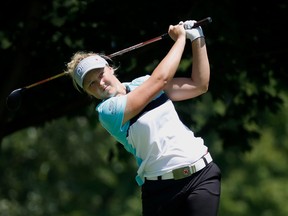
(111, 114)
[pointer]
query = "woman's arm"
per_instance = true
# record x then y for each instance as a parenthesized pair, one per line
(190, 87)
(161, 76)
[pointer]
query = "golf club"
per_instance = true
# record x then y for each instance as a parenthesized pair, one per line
(14, 99)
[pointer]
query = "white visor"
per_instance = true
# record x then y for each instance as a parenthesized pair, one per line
(86, 65)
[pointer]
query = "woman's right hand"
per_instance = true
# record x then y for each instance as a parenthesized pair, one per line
(176, 31)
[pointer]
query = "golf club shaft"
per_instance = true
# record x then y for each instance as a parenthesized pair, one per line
(198, 23)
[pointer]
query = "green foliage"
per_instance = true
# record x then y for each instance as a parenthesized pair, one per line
(256, 182)
(55, 158)
(66, 168)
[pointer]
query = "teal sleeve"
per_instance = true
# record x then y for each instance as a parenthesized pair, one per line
(111, 114)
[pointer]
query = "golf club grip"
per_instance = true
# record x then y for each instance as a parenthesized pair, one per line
(204, 21)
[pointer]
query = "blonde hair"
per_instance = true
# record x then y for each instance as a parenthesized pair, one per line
(75, 59)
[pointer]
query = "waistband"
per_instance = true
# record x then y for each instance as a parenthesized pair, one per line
(186, 171)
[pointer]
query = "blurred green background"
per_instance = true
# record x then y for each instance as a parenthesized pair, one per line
(56, 159)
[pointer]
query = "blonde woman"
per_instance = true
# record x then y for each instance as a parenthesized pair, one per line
(175, 169)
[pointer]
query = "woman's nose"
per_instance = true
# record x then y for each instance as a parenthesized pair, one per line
(101, 82)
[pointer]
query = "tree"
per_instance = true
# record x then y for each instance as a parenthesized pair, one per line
(247, 51)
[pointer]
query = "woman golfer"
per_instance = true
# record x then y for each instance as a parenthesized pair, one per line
(175, 169)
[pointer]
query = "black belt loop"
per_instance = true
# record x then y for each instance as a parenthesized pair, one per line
(205, 160)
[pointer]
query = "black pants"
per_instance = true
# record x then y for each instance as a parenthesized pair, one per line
(196, 195)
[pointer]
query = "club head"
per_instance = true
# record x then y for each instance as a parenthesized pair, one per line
(14, 99)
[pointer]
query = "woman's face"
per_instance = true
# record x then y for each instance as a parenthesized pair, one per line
(101, 83)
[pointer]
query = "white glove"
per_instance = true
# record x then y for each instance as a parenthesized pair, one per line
(192, 33)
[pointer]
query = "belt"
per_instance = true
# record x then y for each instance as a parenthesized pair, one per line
(186, 171)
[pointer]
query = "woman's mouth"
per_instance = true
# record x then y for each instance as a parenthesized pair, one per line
(105, 88)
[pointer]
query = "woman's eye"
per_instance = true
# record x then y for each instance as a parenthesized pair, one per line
(100, 75)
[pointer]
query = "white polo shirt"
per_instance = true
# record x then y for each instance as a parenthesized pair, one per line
(158, 139)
